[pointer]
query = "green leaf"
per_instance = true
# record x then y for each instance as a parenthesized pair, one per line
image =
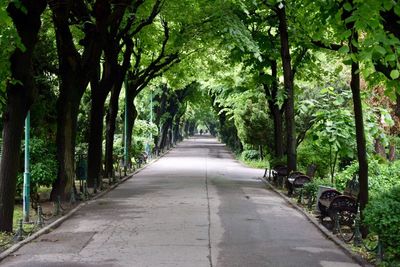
(397, 10)
(387, 4)
(347, 62)
(390, 57)
(379, 49)
(347, 7)
(394, 74)
(344, 49)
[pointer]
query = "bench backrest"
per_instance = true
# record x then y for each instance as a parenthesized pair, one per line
(295, 174)
(282, 171)
(352, 188)
(311, 170)
(301, 180)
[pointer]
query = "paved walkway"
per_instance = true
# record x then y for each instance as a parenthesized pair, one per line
(194, 207)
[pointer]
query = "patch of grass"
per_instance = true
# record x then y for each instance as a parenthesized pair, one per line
(6, 239)
(259, 164)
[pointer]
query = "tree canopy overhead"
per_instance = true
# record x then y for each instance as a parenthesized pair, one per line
(295, 82)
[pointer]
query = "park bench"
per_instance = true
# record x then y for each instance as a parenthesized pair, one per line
(270, 172)
(279, 174)
(141, 159)
(340, 208)
(296, 181)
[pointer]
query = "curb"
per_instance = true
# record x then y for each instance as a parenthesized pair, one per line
(322, 229)
(59, 221)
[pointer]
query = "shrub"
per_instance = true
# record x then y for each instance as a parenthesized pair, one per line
(382, 176)
(382, 215)
(311, 188)
(43, 164)
(309, 153)
(250, 155)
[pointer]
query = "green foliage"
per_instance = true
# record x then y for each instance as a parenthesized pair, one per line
(250, 155)
(252, 121)
(252, 159)
(334, 126)
(310, 153)
(143, 132)
(382, 215)
(9, 41)
(382, 176)
(311, 188)
(43, 164)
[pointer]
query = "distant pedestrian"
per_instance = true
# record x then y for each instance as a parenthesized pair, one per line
(201, 131)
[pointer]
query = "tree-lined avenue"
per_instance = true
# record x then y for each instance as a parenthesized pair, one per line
(196, 206)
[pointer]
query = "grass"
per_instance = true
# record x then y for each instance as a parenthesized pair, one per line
(7, 238)
(259, 164)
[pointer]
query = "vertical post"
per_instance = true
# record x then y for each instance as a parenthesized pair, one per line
(151, 122)
(27, 175)
(126, 128)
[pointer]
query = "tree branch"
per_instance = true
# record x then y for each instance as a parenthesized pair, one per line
(333, 47)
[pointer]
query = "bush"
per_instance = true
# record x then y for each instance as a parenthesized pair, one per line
(251, 155)
(43, 165)
(382, 215)
(382, 176)
(309, 153)
(311, 188)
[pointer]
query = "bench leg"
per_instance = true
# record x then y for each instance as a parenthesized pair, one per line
(336, 227)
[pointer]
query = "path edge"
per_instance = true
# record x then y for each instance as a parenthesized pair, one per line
(323, 230)
(54, 225)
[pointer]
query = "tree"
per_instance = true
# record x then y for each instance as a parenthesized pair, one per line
(122, 72)
(144, 71)
(21, 93)
(75, 71)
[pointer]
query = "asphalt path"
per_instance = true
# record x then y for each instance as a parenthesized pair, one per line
(196, 206)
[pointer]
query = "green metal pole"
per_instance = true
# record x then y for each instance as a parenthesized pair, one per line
(125, 127)
(27, 174)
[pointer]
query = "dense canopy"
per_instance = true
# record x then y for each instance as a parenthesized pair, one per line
(295, 82)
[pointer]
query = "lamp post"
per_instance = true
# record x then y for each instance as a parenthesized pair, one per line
(27, 174)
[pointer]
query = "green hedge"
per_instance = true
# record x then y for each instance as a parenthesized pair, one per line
(250, 155)
(382, 215)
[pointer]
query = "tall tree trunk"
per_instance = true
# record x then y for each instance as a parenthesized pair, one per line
(20, 97)
(95, 150)
(67, 109)
(73, 83)
(271, 93)
(111, 123)
(132, 115)
(163, 140)
(288, 82)
(159, 110)
(99, 92)
(392, 152)
(360, 135)
(176, 130)
(358, 116)
(379, 148)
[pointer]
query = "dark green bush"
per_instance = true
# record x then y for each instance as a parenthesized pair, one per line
(250, 155)
(381, 178)
(309, 153)
(382, 215)
(311, 188)
(43, 167)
